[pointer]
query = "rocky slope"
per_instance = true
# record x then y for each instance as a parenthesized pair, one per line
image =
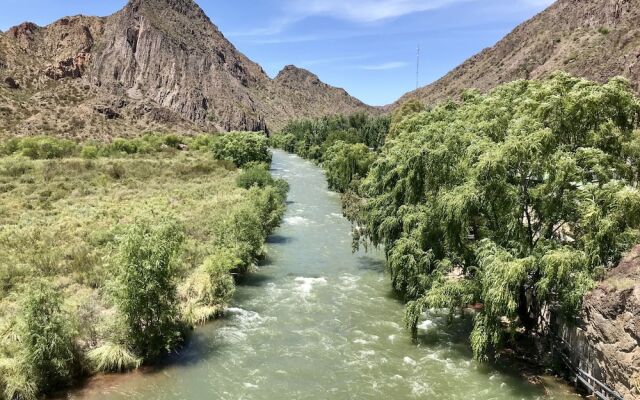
(595, 39)
(156, 64)
(611, 314)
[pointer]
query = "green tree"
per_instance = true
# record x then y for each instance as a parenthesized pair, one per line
(517, 200)
(145, 289)
(345, 162)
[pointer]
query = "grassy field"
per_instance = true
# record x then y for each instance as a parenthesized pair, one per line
(63, 220)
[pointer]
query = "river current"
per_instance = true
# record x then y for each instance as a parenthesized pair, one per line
(317, 321)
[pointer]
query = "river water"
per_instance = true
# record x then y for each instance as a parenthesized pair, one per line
(318, 322)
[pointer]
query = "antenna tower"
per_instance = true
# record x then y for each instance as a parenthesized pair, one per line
(418, 69)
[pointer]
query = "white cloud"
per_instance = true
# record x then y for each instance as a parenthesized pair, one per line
(385, 66)
(365, 10)
(359, 11)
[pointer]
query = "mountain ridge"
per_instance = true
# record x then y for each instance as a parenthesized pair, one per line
(155, 64)
(594, 39)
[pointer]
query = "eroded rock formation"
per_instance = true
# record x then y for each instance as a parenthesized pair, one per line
(611, 314)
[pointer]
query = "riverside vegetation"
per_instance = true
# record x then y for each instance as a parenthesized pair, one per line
(111, 253)
(514, 202)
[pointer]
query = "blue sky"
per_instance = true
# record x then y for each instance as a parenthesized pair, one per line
(367, 47)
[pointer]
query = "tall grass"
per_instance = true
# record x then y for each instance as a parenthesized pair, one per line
(64, 218)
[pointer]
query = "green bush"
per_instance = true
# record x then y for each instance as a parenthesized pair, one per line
(112, 357)
(145, 289)
(207, 290)
(45, 147)
(89, 152)
(255, 175)
(201, 142)
(310, 138)
(124, 146)
(242, 148)
(47, 343)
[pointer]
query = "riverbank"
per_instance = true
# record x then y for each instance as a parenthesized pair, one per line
(113, 252)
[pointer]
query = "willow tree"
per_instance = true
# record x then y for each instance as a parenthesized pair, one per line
(344, 162)
(517, 200)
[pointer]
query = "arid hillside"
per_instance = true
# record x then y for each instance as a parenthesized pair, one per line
(154, 65)
(594, 39)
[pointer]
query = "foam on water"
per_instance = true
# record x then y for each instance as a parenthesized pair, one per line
(306, 285)
(409, 361)
(296, 220)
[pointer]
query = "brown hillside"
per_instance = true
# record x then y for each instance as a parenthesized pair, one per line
(154, 65)
(595, 39)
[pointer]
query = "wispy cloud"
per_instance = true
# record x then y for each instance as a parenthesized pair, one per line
(358, 11)
(384, 66)
(274, 27)
(365, 10)
(331, 60)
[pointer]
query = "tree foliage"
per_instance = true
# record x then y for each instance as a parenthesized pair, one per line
(145, 288)
(311, 138)
(344, 162)
(517, 200)
(241, 148)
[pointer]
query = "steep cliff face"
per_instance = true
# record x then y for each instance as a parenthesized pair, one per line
(611, 314)
(168, 51)
(156, 64)
(595, 39)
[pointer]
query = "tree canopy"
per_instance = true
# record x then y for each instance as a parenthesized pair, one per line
(517, 200)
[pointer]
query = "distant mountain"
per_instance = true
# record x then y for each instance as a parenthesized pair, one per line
(156, 64)
(595, 39)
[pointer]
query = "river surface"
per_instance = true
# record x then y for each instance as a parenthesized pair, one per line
(318, 322)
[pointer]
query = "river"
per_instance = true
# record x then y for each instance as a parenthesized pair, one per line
(318, 322)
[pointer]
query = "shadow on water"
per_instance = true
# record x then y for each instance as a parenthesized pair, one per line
(451, 335)
(254, 280)
(199, 346)
(279, 239)
(368, 263)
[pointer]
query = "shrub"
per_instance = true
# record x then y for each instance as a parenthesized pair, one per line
(242, 148)
(44, 147)
(201, 142)
(255, 175)
(46, 339)
(89, 152)
(208, 289)
(115, 170)
(145, 289)
(16, 167)
(345, 162)
(124, 146)
(112, 357)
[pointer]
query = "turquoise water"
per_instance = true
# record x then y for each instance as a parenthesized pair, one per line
(318, 322)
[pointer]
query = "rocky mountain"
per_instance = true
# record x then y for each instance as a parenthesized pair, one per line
(156, 64)
(595, 39)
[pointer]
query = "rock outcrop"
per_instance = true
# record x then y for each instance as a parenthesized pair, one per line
(158, 61)
(611, 316)
(595, 39)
